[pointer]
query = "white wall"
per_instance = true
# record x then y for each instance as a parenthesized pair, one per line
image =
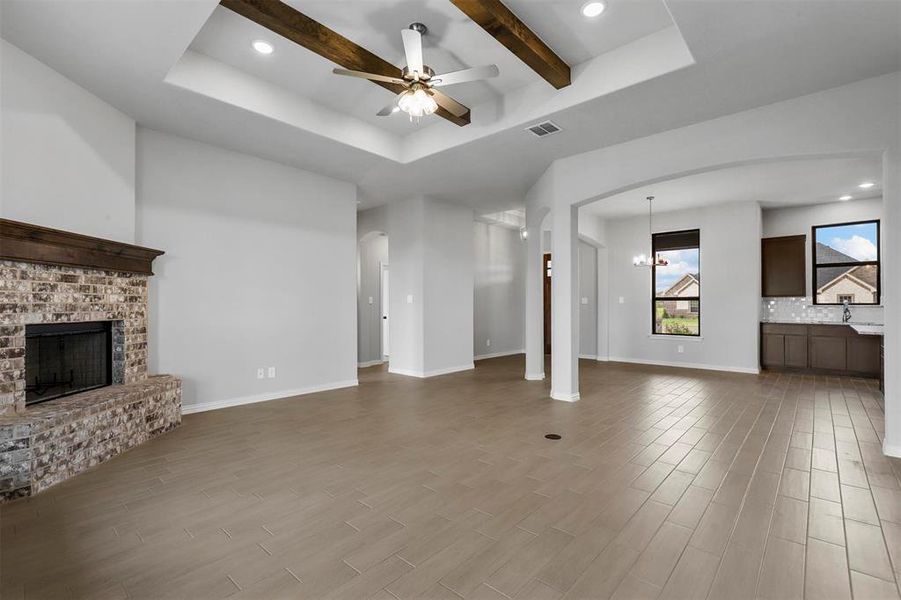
(405, 324)
(373, 255)
(498, 301)
(730, 290)
(432, 263)
(68, 158)
(259, 271)
(448, 285)
(799, 220)
(588, 300)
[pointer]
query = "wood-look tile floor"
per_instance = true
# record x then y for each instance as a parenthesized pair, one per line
(667, 484)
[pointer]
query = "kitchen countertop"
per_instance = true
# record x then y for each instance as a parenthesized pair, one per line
(863, 328)
(867, 328)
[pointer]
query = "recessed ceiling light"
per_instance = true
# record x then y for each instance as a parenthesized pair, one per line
(866, 185)
(593, 9)
(263, 47)
(845, 197)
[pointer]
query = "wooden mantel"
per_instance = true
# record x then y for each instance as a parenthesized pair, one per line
(36, 244)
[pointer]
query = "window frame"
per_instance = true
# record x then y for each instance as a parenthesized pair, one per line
(655, 298)
(877, 262)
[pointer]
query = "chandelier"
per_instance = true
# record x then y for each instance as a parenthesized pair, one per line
(650, 260)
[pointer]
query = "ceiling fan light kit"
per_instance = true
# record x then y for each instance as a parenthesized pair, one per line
(417, 102)
(420, 98)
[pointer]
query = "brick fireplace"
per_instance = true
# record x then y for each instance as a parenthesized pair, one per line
(48, 277)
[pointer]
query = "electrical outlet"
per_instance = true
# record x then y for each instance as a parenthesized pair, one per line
(680, 348)
(260, 373)
(488, 342)
(370, 300)
(271, 372)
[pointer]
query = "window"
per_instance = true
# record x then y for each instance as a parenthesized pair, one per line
(677, 286)
(846, 263)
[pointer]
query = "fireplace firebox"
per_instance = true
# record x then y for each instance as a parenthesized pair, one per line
(67, 358)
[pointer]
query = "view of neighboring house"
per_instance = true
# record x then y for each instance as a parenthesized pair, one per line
(687, 287)
(856, 284)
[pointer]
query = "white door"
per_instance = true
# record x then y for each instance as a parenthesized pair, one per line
(384, 303)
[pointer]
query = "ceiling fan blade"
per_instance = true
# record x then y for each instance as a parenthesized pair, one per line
(369, 76)
(412, 49)
(464, 75)
(390, 108)
(449, 104)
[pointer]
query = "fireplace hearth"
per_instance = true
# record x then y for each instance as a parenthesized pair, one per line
(67, 358)
(74, 387)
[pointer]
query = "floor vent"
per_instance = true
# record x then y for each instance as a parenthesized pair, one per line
(543, 129)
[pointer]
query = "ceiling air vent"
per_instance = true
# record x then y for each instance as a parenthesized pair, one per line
(543, 129)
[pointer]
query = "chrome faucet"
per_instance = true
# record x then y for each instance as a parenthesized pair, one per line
(846, 313)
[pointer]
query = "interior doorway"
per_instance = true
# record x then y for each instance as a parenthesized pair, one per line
(546, 279)
(383, 297)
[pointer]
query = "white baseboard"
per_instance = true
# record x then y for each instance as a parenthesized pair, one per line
(565, 397)
(279, 395)
(434, 373)
(370, 363)
(498, 354)
(890, 450)
(664, 363)
(535, 376)
(589, 356)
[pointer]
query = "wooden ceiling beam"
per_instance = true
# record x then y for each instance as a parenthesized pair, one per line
(504, 26)
(293, 25)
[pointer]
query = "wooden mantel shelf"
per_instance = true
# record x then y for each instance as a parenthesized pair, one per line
(32, 243)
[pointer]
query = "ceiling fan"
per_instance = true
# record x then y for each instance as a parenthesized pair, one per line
(420, 98)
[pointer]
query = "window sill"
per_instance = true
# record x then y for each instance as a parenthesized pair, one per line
(676, 336)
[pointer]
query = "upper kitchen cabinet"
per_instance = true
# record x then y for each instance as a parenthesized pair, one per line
(783, 263)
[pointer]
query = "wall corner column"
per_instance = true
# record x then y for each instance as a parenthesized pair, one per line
(565, 303)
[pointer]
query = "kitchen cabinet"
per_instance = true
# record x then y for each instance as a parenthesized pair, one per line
(772, 350)
(828, 349)
(783, 266)
(796, 351)
(828, 353)
(864, 354)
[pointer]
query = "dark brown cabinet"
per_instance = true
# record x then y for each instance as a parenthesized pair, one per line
(828, 353)
(864, 354)
(796, 351)
(772, 350)
(783, 266)
(833, 349)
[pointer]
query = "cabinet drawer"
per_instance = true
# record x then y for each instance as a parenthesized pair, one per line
(830, 330)
(783, 328)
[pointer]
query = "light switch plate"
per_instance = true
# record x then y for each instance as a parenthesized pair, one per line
(409, 298)
(370, 299)
(271, 372)
(584, 300)
(622, 300)
(261, 373)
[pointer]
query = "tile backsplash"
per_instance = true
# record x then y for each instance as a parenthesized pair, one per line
(803, 310)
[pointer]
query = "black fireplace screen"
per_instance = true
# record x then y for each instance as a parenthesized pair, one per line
(66, 358)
